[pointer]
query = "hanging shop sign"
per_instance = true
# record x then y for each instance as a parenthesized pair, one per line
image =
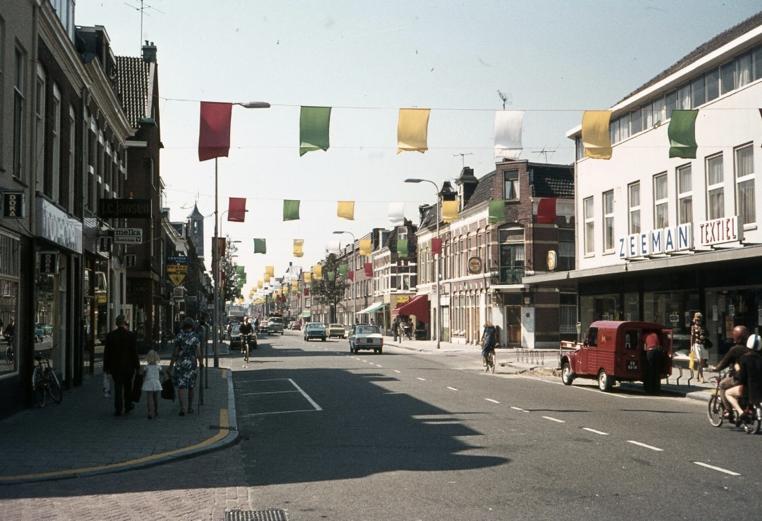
(48, 262)
(13, 205)
(124, 208)
(128, 236)
(474, 265)
(656, 242)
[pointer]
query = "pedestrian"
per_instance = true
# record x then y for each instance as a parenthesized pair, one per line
(120, 360)
(699, 337)
(395, 327)
(652, 345)
(187, 356)
(10, 330)
(152, 382)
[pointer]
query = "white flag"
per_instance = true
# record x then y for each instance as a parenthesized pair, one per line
(508, 134)
(397, 213)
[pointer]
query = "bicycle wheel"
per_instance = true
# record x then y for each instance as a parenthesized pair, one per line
(53, 386)
(715, 410)
(492, 362)
(38, 386)
(9, 355)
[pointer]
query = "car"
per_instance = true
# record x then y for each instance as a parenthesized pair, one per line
(296, 326)
(336, 330)
(274, 325)
(39, 332)
(365, 336)
(315, 330)
(46, 329)
(235, 337)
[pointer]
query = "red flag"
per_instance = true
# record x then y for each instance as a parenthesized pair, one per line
(436, 246)
(351, 275)
(306, 292)
(214, 130)
(237, 209)
(546, 211)
(368, 269)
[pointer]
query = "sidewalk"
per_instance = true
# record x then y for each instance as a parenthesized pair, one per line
(529, 360)
(82, 437)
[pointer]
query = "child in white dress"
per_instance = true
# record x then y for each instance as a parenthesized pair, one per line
(152, 382)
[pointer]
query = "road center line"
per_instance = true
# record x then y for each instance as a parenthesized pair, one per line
(595, 431)
(657, 449)
(491, 400)
(554, 419)
(421, 379)
(718, 469)
(519, 409)
(399, 372)
(452, 388)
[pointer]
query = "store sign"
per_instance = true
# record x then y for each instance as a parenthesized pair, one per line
(124, 208)
(655, 242)
(48, 262)
(178, 293)
(54, 225)
(13, 205)
(720, 231)
(128, 236)
(474, 265)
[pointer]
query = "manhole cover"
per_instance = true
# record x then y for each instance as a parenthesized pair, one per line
(256, 515)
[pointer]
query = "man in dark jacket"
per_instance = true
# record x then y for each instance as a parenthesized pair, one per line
(749, 377)
(740, 335)
(120, 360)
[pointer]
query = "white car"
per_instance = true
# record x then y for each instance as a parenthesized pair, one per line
(366, 337)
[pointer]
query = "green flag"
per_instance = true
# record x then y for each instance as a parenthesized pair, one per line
(402, 246)
(260, 246)
(682, 134)
(343, 270)
(331, 275)
(290, 210)
(496, 211)
(313, 129)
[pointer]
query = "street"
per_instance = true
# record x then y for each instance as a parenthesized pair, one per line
(326, 434)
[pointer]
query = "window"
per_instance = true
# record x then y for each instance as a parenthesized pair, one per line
(684, 97)
(727, 77)
(715, 189)
(684, 195)
(608, 221)
(635, 123)
(712, 80)
(2, 83)
(39, 130)
(568, 314)
(743, 70)
(511, 180)
(589, 215)
(671, 103)
(661, 203)
(511, 255)
(18, 115)
(756, 59)
(565, 250)
(660, 111)
(55, 162)
(633, 201)
(698, 93)
(69, 196)
(744, 159)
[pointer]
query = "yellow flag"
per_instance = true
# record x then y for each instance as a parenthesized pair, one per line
(307, 278)
(449, 211)
(595, 134)
(260, 284)
(365, 246)
(270, 270)
(298, 244)
(266, 278)
(317, 271)
(412, 130)
(346, 210)
(295, 285)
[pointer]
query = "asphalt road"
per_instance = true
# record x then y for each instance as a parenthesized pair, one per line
(326, 434)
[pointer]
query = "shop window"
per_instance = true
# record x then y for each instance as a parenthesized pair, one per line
(715, 187)
(568, 314)
(684, 194)
(511, 255)
(744, 166)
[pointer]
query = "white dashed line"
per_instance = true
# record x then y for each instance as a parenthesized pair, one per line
(595, 431)
(398, 372)
(657, 449)
(519, 409)
(452, 388)
(491, 400)
(421, 379)
(718, 469)
(554, 419)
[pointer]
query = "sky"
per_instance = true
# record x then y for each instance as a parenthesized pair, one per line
(552, 59)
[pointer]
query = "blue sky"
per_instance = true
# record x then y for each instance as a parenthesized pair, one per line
(554, 59)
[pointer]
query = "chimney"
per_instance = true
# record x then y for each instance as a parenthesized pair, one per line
(149, 52)
(467, 184)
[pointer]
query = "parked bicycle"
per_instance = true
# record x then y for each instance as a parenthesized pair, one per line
(9, 351)
(44, 380)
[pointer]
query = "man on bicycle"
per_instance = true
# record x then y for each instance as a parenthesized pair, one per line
(740, 335)
(246, 331)
(489, 341)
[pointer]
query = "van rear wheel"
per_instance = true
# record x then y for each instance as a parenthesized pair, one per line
(604, 381)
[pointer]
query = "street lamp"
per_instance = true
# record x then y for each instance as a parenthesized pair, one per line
(354, 287)
(215, 246)
(436, 264)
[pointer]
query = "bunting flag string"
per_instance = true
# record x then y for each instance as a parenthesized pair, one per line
(436, 246)
(290, 210)
(214, 130)
(307, 280)
(402, 247)
(412, 130)
(260, 246)
(365, 247)
(368, 269)
(298, 247)
(237, 209)
(397, 213)
(595, 134)
(314, 123)
(270, 270)
(508, 125)
(546, 211)
(346, 210)
(449, 211)
(496, 211)
(682, 134)
(343, 270)
(317, 272)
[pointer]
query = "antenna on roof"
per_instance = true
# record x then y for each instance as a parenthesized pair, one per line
(142, 9)
(463, 157)
(545, 152)
(505, 97)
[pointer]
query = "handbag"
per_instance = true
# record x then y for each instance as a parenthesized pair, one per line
(708, 343)
(168, 390)
(137, 387)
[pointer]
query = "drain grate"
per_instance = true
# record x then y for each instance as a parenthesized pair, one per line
(273, 514)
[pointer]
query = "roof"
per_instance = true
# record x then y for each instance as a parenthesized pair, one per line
(133, 76)
(703, 50)
(552, 181)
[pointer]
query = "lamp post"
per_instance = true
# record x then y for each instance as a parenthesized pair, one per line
(354, 287)
(215, 246)
(436, 263)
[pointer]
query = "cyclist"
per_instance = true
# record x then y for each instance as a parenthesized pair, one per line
(748, 378)
(740, 335)
(245, 330)
(489, 341)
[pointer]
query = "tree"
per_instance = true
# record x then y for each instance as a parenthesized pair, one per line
(327, 291)
(229, 272)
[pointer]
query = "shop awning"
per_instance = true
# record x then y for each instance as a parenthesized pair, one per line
(418, 307)
(305, 314)
(373, 307)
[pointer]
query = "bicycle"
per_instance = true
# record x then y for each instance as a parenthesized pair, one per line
(9, 352)
(491, 362)
(44, 380)
(247, 343)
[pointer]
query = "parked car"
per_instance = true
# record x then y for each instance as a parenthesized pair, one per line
(336, 330)
(46, 329)
(366, 337)
(235, 337)
(296, 326)
(315, 330)
(274, 325)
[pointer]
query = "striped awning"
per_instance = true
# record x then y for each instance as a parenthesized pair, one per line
(374, 307)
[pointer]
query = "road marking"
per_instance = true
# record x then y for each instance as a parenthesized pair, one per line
(491, 400)
(452, 388)
(269, 392)
(421, 379)
(554, 419)
(718, 469)
(657, 449)
(519, 409)
(379, 365)
(399, 372)
(306, 396)
(595, 431)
